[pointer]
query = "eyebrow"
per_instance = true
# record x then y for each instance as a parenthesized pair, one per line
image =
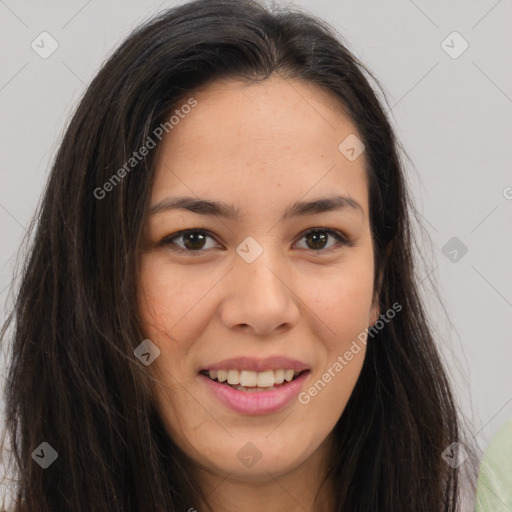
(220, 209)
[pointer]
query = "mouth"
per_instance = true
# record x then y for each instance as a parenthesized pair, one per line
(251, 381)
(251, 392)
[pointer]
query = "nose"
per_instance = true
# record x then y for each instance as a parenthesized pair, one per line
(260, 297)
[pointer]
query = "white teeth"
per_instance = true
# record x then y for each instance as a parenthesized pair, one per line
(233, 377)
(266, 379)
(279, 376)
(288, 375)
(246, 378)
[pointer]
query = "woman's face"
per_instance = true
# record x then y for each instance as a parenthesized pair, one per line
(257, 294)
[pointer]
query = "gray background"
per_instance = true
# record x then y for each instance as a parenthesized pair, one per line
(452, 115)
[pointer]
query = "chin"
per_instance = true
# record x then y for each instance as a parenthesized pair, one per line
(254, 459)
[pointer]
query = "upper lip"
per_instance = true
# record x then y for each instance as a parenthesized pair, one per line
(259, 365)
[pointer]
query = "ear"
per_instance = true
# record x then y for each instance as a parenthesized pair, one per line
(375, 309)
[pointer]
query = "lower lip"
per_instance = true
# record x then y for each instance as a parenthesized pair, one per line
(258, 402)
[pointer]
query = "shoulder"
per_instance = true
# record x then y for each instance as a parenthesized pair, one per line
(494, 489)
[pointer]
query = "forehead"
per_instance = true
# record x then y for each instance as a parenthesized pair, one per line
(277, 137)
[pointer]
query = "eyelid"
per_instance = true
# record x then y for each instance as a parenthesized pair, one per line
(342, 240)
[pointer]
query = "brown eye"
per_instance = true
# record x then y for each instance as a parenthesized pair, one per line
(318, 238)
(193, 241)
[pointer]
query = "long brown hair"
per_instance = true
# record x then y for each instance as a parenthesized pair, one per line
(73, 381)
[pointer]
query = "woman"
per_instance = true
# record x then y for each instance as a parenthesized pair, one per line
(186, 336)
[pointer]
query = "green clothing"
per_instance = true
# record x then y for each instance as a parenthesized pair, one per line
(494, 489)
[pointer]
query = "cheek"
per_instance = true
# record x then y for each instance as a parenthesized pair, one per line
(346, 313)
(343, 315)
(168, 298)
(342, 302)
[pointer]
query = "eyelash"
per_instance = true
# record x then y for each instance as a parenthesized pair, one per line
(168, 241)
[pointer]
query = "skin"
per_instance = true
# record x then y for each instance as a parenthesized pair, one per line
(259, 147)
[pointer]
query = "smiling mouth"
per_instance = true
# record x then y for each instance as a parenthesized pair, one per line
(251, 381)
